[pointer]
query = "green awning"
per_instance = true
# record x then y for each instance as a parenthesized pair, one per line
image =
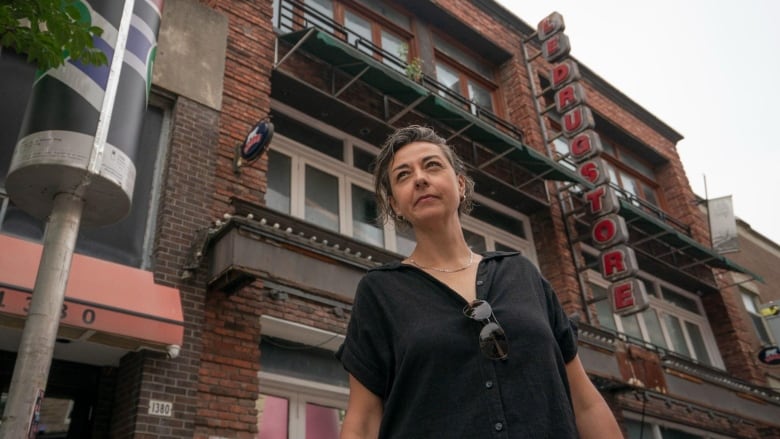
(427, 102)
(659, 230)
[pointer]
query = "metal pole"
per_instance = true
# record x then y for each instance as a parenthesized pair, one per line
(31, 370)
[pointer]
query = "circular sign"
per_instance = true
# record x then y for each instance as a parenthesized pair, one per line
(770, 355)
(257, 141)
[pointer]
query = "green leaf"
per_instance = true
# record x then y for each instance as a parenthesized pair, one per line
(66, 31)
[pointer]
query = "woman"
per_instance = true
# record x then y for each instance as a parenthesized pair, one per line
(451, 344)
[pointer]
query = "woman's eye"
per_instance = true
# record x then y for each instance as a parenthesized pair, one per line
(433, 165)
(399, 176)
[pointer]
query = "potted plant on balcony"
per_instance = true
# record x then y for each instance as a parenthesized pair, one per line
(413, 68)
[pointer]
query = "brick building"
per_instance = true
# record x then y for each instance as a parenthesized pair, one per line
(250, 268)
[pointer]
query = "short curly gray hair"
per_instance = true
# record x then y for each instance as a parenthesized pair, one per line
(400, 138)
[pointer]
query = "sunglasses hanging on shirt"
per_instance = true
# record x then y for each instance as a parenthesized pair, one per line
(492, 338)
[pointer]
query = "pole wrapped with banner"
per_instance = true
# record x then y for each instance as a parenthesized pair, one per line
(74, 164)
(59, 147)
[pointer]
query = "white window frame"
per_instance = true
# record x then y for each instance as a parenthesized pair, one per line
(301, 155)
(748, 289)
(298, 393)
(663, 307)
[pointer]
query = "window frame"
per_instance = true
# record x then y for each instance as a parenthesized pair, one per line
(466, 73)
(348, 174)
(615, 160)
(663, 307)
(464, 76)
(378, 24)
(298, 393)
(755, 299)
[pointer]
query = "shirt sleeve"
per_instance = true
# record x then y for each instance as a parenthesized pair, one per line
(366, 353)
(564, 329)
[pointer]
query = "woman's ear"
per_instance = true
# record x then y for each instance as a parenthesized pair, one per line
(393, 204)
(462, 185)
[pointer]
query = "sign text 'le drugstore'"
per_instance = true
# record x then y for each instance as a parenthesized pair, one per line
(609, 232)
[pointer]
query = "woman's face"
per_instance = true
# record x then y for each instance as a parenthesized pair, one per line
(423, 184)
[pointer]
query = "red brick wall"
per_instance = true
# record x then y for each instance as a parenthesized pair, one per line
(245, 97)
(228, 372)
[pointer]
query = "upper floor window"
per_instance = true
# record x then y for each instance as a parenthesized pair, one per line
(632, 174)
(674, 321)
(751, 302)
(325, 179)
(371, 26)
(465, 75)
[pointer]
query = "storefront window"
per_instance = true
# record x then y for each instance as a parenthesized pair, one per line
(273, 417)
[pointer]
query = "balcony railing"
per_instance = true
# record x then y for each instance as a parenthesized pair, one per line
(295, 15)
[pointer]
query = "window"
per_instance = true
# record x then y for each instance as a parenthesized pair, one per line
(364, 214)
(629, 172)
(458, 82)
(364, 30)
(322, 175)
(675, 320)
(464, 75)
(305, 182)
(379, 31)
(751, 302)
(372, 27)
(127, 242)
(295, 408)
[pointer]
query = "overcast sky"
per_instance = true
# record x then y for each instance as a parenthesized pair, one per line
(708, 69)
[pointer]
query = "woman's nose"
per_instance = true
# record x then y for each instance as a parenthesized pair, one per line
(420, 180)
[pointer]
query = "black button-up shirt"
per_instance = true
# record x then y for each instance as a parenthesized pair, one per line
(409, 343)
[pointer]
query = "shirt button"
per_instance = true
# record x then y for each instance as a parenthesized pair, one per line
(499, 426)
(489, 384)
(480, 282)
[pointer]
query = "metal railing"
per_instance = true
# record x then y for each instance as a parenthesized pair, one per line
(294, 15)
(651, 209)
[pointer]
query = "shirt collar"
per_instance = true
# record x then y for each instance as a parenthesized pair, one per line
(395, 265)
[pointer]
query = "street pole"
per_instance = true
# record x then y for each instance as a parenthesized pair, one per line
(31, 370)
(36, 350)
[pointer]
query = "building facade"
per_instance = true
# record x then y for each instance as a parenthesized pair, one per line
(214, 308)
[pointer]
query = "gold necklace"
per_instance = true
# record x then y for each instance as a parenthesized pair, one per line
(445, 270)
